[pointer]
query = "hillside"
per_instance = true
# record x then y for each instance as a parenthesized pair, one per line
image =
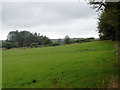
(83, 65)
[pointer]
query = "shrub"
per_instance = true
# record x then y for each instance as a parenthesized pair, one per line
(34, 45)
(80, 40)
(55, 44)
(9, 45)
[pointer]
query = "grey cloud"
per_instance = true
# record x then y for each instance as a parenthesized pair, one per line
(54, 20)
(33, 14)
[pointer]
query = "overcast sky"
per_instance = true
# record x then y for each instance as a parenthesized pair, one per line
(55, 20)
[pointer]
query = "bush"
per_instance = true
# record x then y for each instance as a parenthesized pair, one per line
(34, 45)
(55, 44)
(90, 39)
(80, 40)
(9, 45)
(84, 40)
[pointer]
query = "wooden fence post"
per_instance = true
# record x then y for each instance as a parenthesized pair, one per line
(119, 63)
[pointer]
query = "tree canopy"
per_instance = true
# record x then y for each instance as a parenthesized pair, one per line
(108, 25)
(67, 39)
(25, 38)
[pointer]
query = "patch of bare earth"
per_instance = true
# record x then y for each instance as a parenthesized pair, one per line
(113, 83)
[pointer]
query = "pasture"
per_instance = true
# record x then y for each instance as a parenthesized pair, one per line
(82, 65)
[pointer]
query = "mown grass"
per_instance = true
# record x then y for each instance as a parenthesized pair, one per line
(81, 65)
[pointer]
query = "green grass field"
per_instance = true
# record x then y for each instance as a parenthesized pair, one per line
(83, 65)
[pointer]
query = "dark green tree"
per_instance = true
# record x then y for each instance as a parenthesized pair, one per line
(67, 39)
(24, 38)
(108, 25)
(47, 41)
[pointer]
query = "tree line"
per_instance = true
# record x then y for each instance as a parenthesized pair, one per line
(18, 39)
(25, 39)
(68, 40)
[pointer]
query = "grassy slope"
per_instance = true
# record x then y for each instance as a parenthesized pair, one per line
(77, 65)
